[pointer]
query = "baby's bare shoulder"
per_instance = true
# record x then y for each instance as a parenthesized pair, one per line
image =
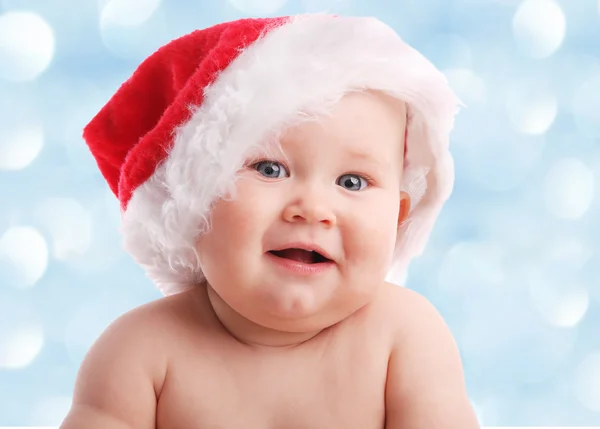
(425, 384)
(121, 376)
(397, 314)
(410, 318)
(404, 309)
(152, 324)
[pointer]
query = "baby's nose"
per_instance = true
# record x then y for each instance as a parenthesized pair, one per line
(310, 208)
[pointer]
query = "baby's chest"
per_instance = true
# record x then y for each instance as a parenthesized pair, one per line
(341, 391)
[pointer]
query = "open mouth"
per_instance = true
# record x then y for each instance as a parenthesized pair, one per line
(301, 255)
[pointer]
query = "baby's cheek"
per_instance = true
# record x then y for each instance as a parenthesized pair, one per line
(372, 242)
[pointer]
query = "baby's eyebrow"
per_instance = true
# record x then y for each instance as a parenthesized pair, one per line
(365, 156)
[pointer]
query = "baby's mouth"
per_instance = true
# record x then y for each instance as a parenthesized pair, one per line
(301, 255)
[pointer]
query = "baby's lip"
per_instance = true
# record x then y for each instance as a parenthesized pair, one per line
(311, 247)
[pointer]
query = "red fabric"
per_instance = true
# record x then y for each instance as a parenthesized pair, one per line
(133, 132)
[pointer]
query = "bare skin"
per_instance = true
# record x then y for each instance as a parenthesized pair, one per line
(264, 346)
(169, 365)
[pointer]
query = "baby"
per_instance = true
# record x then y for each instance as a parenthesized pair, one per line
(272, 174)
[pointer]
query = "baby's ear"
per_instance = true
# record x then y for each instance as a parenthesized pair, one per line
(404, 208)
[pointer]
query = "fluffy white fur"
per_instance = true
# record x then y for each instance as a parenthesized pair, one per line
(293, 73)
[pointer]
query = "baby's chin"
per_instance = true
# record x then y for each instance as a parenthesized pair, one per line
(299, 309)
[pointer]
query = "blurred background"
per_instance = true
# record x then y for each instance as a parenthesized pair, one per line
(513, 264)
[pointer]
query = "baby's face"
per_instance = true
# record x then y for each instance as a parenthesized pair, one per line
(334, 187)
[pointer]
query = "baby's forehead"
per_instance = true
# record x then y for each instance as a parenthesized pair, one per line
(366, 123)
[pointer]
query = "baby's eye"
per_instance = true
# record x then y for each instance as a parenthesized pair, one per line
(271, 169)
(352, 182)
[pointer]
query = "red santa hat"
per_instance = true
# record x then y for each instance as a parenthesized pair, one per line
(172, 138)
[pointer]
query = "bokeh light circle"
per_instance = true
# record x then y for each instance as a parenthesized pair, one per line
(20, 146)
(127, 13)
(561, 300)
(23, 257)
(569, 188)
(69, 225)
(258, 7)
(21, 334)
(26, 46)
(531, 110)
(539, 27)
(133, 29)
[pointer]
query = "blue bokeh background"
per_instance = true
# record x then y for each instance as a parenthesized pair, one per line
(513, 264)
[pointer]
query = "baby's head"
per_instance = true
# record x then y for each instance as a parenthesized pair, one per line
(259, 134)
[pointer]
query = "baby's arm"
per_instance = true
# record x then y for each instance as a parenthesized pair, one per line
(117, 381)
(425, 387)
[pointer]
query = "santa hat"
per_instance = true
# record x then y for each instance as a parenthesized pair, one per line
(172, 138)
